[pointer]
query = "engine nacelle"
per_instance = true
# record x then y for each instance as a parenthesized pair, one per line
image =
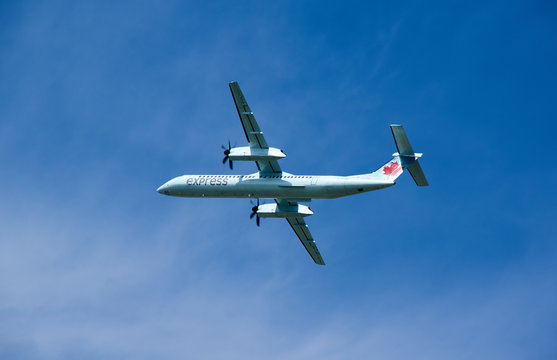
(245, 153)
(278, 211)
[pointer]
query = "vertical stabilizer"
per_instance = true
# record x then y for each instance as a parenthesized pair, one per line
(390, 171)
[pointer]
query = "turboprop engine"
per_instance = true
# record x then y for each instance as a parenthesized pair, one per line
(245, 153)
(282, 211)
(278, 211)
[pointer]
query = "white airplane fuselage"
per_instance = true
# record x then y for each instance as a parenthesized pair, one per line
(272, 186)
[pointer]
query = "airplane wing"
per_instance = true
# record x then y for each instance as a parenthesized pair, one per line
(252, 130)
(301, 229)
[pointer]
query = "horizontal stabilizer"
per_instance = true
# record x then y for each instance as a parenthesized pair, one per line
(417, 174)
(402, 144)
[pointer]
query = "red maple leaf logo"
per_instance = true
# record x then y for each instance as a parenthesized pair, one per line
(392, 169)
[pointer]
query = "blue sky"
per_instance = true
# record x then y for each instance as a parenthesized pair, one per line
(102, 102)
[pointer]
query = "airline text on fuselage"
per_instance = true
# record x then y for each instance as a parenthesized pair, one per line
(213, 181)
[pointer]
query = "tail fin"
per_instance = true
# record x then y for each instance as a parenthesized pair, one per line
(408, 159)
(390, 171)
(405, 158)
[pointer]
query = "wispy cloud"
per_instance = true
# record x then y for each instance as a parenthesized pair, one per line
(71, 288)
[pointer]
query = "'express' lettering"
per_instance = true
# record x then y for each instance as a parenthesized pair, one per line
(213, 181)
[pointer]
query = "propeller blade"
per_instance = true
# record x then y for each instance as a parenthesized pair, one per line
(226, 155)
(254, 211)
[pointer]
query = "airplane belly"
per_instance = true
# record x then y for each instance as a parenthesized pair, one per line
(222, 186)
(331, 188)
(239, 189)
(256, 189)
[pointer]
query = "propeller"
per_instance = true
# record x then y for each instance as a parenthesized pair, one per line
(254, 212)
(226, 154)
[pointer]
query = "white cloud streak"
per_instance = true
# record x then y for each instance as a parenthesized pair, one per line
(69, 287)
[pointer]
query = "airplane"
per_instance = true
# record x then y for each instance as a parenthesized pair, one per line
(288, 190)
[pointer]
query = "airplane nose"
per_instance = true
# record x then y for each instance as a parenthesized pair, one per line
(167, 188)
